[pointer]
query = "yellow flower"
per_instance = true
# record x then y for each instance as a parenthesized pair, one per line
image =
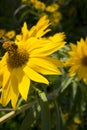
(2, 32)
(38, 4)
(72, 126)
(52, 8)
(10, 34)
(66, 115)
(78, 60)
(55, 18)
(26, 61)
(77, 120)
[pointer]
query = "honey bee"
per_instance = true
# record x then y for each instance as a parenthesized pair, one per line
(9, 45)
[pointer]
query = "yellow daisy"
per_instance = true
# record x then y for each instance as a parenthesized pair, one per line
(26, 61)
(78, 60)
(52, 8)
(39, 5)
(10, 34)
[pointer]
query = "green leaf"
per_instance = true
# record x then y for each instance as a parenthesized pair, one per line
(28, 120)
(43, 96)
(45, 112)
(19, 9)
(66, 83)
(60, 123)
(74, 89)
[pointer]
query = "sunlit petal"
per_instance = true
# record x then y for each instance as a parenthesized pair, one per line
(35, 76)
(14, 90)
(45, 64)
(6, 93)
(24, 86)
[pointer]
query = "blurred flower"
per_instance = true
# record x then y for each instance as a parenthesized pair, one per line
(72, 126)
(28, 59)
(61, 2)
(38, 4)
(72, 11)
(10, 34)
(77, 120)
(55, 18)
(78, 60)
(66, 116)
(23, 1)
(2, 32)
(52, 8)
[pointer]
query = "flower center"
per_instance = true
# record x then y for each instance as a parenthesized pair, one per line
(17, 55)
(84, 60)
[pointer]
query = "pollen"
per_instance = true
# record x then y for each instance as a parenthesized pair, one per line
(84, 61)
(17, 56)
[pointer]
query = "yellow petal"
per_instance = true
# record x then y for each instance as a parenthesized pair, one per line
(35, 76)
(73, 46)
(44, 65)
(1, 80)
(3, 61)
(6, 76)
(43, 21)
(24, 86)
(32, 44)
(82, 72)
(23, 82)
(14, 90)
(58, 37)
(56, 62)
(0, 101)
(6, 94)
(73, 70)
(40, 28)
(18, 38)
(25, 32)
(10, 92)
(48, 48)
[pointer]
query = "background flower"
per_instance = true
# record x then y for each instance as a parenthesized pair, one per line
(78, 60)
